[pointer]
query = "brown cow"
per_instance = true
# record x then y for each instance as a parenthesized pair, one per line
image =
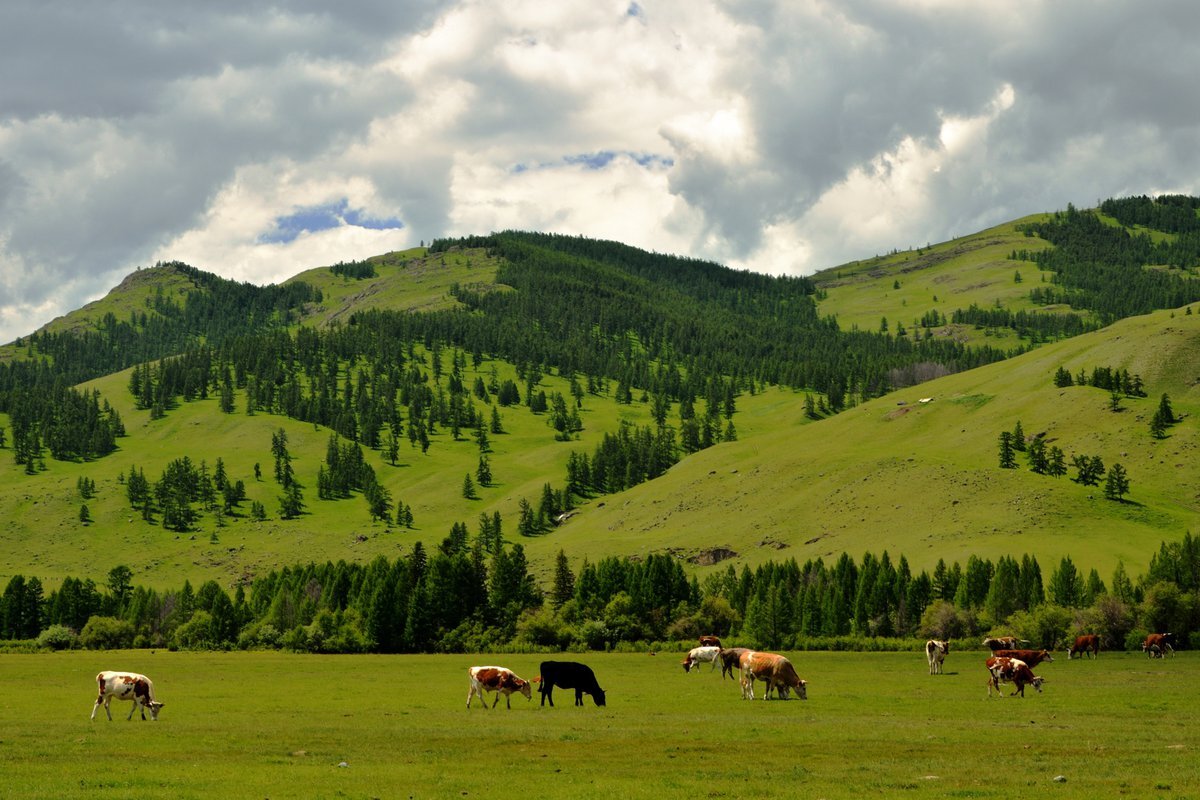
(773, 670)
(710, 641)
(1002, 669)
(1088, 643)
(1157, 645)
(1030, 657)
(500, 680)
(731, 660)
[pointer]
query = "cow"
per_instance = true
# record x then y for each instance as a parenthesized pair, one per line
(935, 652)
(731, 660)
(1003, 643)
(1088, 643)
(710, 641)
(568, 675)
(500, 680)
(698, 654)
(126, 686)
(1030, 657)
(1157, 645)
(1002, 669)
(773, 670)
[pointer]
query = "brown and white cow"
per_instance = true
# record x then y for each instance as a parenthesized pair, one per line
(710, 641)
(698, 654)
(995, 643)
(1030, 657)
(1157, 645)
(500, 680)
(1002, 669)
(731, 660)
(935, 652)
(775, 671)
(126, 686)
(1088, 643)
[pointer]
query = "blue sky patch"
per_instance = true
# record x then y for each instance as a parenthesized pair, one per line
(324, 217)
(634, 10)
(598, 160)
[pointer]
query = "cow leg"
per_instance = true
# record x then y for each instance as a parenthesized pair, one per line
(96, 706)
(132, 709)
(579, 697)
(471, 696)
(497, 700)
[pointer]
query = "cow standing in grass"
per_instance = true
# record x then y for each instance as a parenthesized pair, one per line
(773, 670)
(731, 660)
(568, 675)
(1088, 643)
(995, 643)
(698, 654)
(1002, 669)
(935, 652)
(1157, 645)
(126, 686)
(500, 680)
(1030, 657)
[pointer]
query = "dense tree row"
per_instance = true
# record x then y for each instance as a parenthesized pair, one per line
(1171, 213)
(71, 425)
(1032, 325)
(1102, 268)
(478, 594)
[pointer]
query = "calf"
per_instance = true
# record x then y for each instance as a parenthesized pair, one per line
(1088, 643)
(1157, 645)
(935, 652)
(126, 686)
(710, 641)
(500, 680)
(568, 675)
(1003, 643)
(698, 654)
(773, 670)
(1030, 657)
(731, 660)
(1002, 669)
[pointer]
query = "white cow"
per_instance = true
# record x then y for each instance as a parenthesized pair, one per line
(126, 686)
(698, 654)
(935, 651)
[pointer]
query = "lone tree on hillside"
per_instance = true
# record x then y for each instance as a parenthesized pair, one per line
(1008, 456)
(1117, 484)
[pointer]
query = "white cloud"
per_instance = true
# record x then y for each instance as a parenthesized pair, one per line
(778, 136)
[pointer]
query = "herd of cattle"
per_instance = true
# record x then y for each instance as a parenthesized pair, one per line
(1007, 664)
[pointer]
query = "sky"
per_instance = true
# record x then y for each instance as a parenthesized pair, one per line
(255, 140)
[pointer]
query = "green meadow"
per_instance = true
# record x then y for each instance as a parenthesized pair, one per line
(280, 725)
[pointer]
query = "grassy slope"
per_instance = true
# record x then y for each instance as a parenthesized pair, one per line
(946, 277)
(922, 479)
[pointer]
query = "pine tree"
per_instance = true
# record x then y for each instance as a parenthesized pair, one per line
(468, 487)
(1008, 458)
(1117, 484)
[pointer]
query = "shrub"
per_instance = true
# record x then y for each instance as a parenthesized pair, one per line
(106, 633)
(58, 637)
(196, 633)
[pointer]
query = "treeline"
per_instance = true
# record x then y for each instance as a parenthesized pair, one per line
(1034, 326)
(1102, 268)
(479, 595)
(71, 425)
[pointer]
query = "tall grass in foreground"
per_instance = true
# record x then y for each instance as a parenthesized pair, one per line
(278, 725)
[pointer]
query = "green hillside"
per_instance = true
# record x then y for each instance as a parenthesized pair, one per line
(792, 437)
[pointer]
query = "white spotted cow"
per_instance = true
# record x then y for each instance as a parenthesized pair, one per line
(1003, 669)
(698, 654)
(500, 680)
(126, 686)
(935, 651)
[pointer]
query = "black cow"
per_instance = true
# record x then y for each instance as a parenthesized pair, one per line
(568, 675)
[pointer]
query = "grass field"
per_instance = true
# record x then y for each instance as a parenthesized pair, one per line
(278, 725)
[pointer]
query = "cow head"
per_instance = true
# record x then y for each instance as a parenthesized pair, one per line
(154, 706)
(525, 688)
(686, 664)
(598, 696)
(1037, 682)
(802, 690)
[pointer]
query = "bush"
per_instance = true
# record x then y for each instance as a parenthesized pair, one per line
(196, 633)
(106, 633)
(58, 637)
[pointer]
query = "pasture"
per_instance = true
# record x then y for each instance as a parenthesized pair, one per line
(279, 725)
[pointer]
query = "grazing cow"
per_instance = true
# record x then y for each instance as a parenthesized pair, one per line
(1003, 643)
(1157, 645)
(698, 654)
(1088, 643)
(935, 652)
(500, 680)
(731, 660)
(773, 670)
(1002, 669)
(1030, 657)
(568, 675)
(126, 686)
(710, 641)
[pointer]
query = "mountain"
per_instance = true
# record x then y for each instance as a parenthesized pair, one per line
(664, 404)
